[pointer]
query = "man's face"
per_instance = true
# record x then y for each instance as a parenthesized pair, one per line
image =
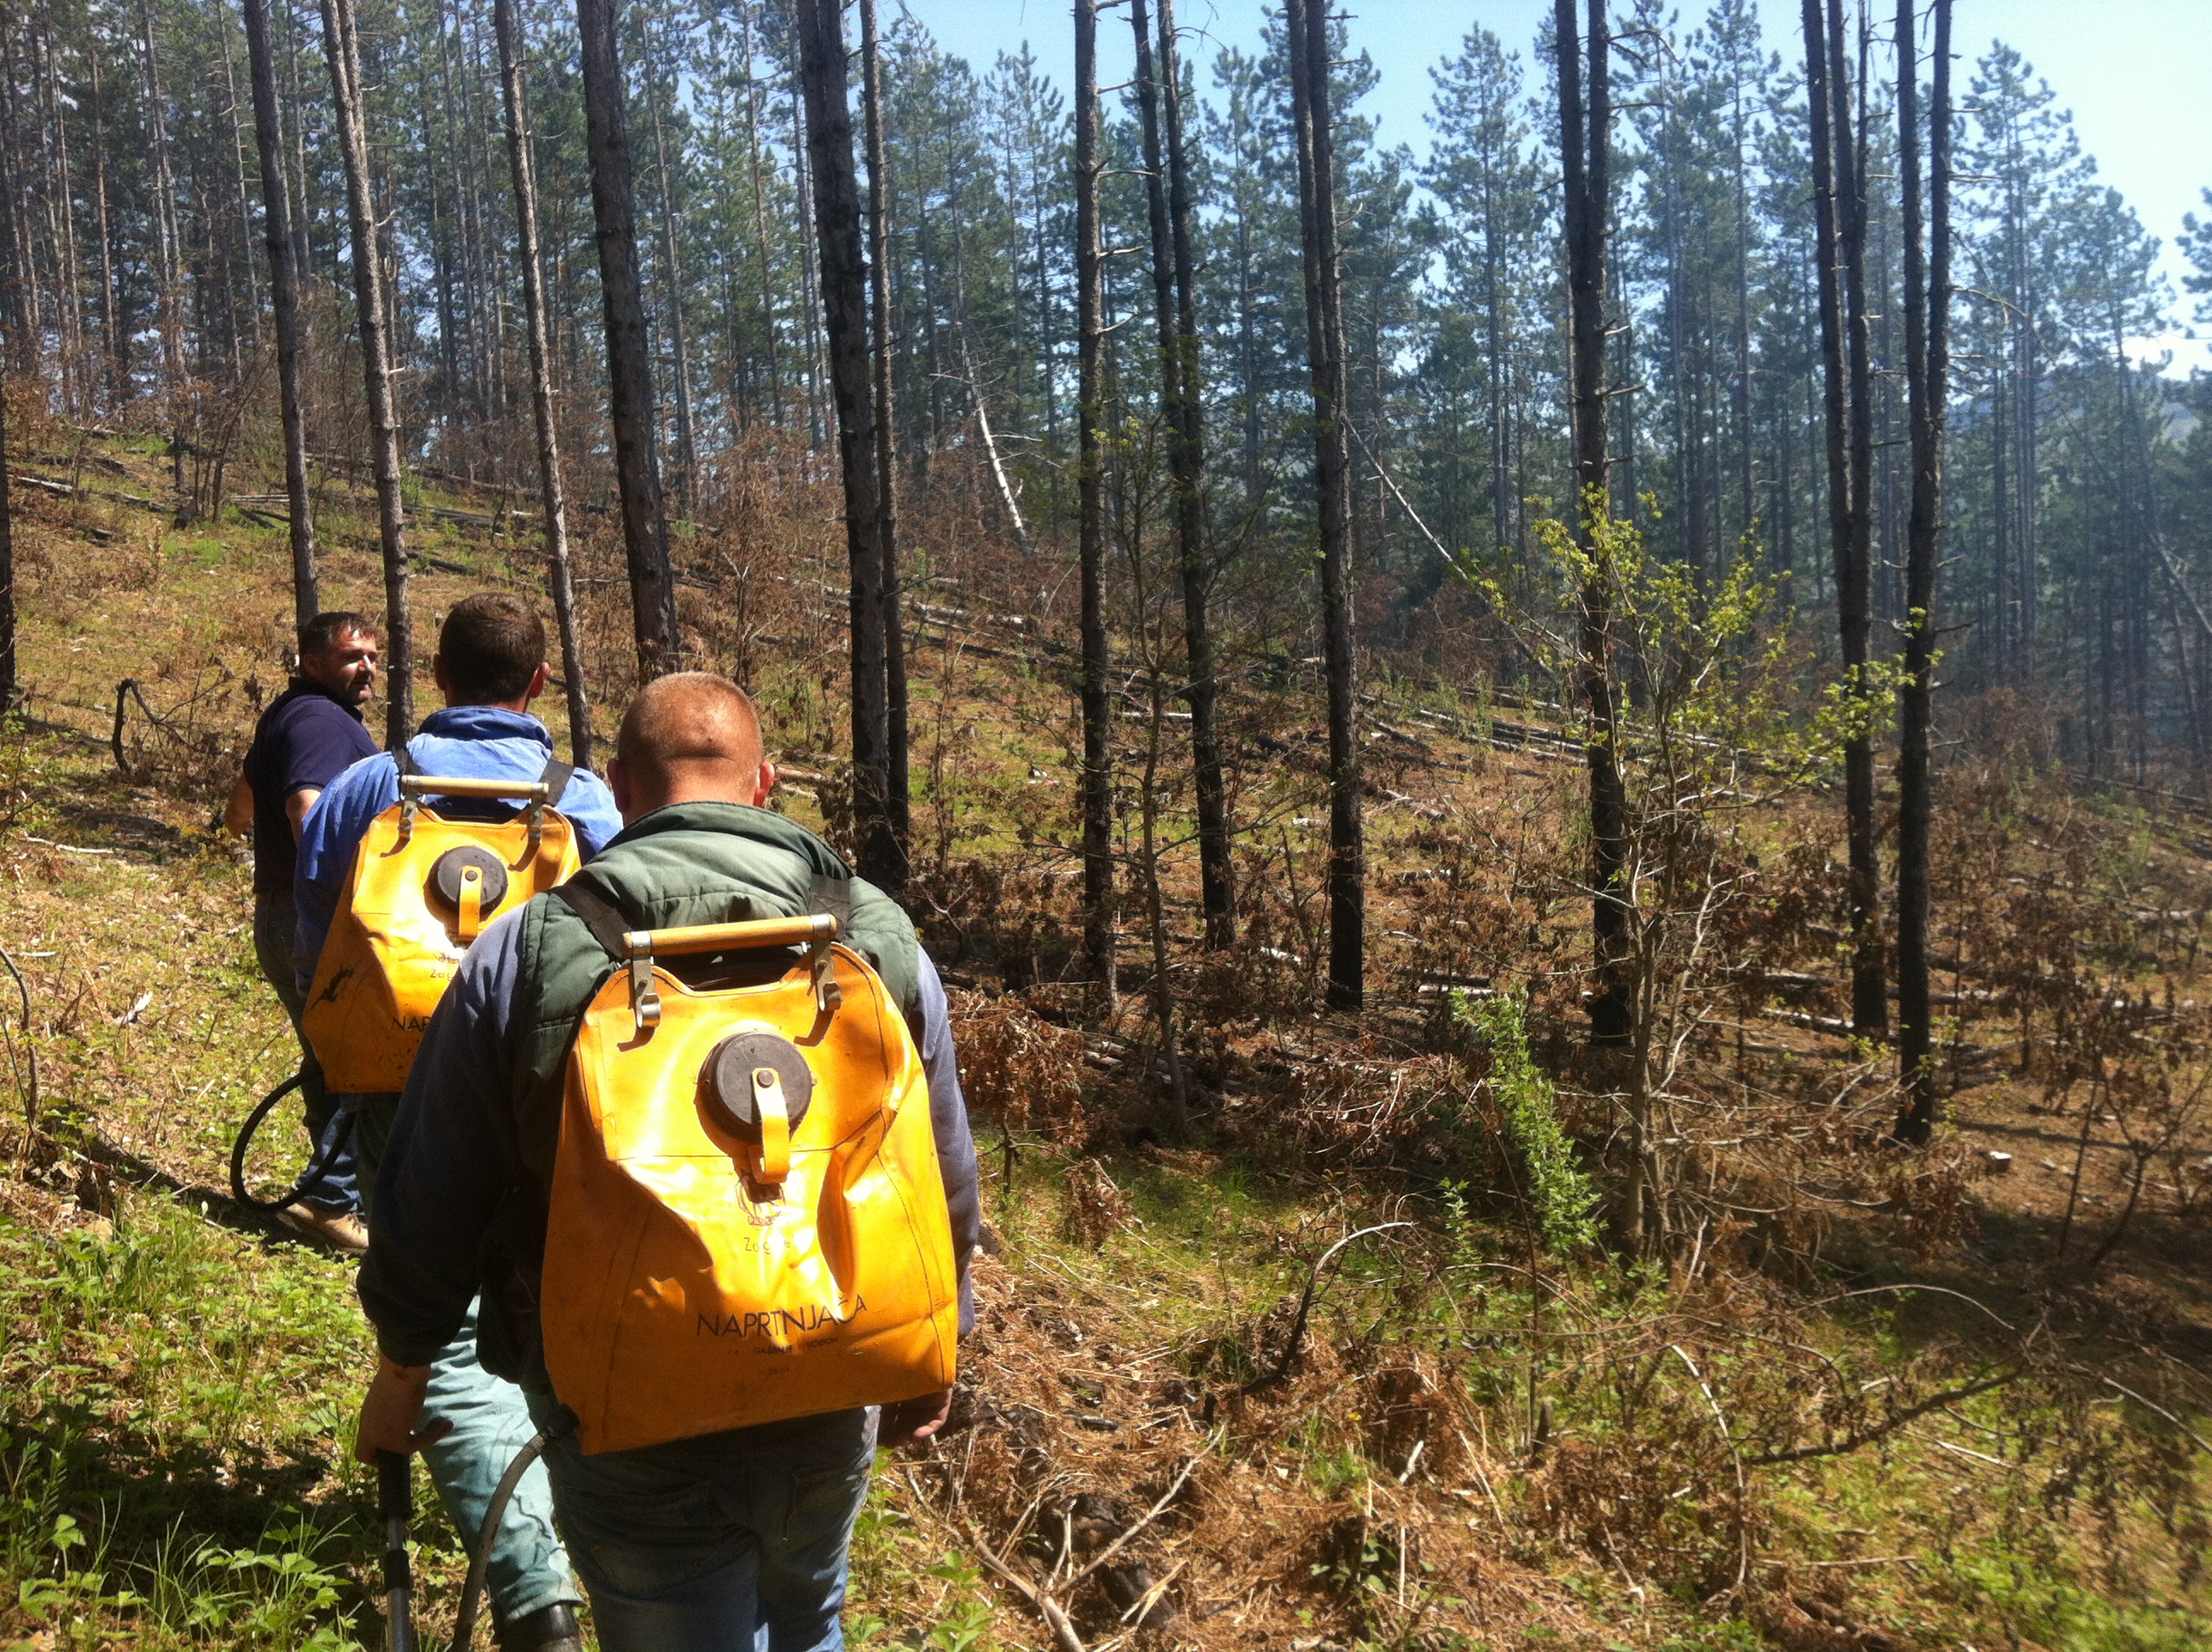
(347, 673)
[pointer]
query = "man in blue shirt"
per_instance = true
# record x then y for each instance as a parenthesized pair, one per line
(490, 665)
(308, 736)
(724, 1543)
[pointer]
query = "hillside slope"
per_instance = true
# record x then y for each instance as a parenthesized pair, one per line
(1873, 1399)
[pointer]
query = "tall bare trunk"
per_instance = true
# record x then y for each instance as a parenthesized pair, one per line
(344, 50)
(1586, 149)
(630, 372)
(1305, 24)
(169, 279)
(1168, 191)
(879, 316)
(1097, 780)
(111, 315)
(845, 310)
(1928, 372)
(284, 293)
(1838, 206)
(509, 29)
(7, 532)
(237, 151)
(687, 454)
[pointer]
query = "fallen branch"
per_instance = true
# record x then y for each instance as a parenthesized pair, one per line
(1888, 1426)
(1123, 1541)
(1297, 1335)
(29, 1084)
(1040, 1598)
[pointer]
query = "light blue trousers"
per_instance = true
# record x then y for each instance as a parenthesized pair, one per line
(529, 1570)
(733, 1542)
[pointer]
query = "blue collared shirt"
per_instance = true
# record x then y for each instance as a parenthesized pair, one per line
(459, 743)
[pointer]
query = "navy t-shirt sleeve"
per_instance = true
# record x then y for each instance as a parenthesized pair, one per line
(321, 741)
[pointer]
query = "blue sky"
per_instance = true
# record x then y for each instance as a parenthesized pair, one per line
(2136, 73)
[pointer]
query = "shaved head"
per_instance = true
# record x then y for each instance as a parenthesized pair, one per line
(690, 737)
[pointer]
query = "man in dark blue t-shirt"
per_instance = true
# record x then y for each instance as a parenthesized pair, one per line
(310, 735)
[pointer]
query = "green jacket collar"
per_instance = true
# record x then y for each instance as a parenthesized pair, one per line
(740, 820)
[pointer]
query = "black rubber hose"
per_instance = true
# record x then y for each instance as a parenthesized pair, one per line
(316, 1171)
(464, 1621)
(395, 1505)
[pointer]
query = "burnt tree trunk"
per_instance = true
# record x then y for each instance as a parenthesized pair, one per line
(343, 48)
(844, 275)
(285, 298)
(1586, 146)
(687, 452)
(1160, 98)
(1097, 780)
(1306, 29)
(896, 715)
(630, 373)
(557, 578)
(1928, 372)
(1839, 205)
(7, 529)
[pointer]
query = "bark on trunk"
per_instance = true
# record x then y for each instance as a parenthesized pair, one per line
(344, 50)
(1840, 225)
(1098, 779)
(895, 716)
(557, 576)
(1585, 134)
(844, 275)
(1928, 370)
(1306, 30)
(630, 374)
(168, 298)
(687, 454)
(284, 294)
(1160, 95)
(7, 532)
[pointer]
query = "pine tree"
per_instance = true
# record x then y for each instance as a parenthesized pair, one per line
(844, 293)
(1307, 35)
(629, 380)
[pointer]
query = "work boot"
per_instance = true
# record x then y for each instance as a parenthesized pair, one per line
(548, 1629)
(342, 1230)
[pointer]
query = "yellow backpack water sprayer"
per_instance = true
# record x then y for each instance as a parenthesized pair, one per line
(421, 888)
(747, 1221)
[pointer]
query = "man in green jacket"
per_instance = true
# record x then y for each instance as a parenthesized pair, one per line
(735, 1540)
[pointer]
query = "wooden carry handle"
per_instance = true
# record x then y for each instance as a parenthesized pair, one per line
(805, 930)
(430, 786)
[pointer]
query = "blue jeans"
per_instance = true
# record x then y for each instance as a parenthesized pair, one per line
(734, 1542)
(491, 1420)
(274, 919)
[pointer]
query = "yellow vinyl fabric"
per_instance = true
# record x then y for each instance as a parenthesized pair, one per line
(394, 945)
(682, 1295)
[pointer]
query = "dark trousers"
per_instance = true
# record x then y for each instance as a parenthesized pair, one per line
(274, 919)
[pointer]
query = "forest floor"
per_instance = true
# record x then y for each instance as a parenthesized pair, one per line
(1879, 1402)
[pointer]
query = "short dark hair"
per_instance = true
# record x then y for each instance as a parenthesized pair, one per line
(492, 644)
(321, 633)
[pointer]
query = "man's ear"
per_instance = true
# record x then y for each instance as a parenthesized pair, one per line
(538, 683)
(438, 675)
(764, 783)
(619, 783)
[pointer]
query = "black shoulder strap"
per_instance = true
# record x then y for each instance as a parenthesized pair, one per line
(600, 915)
(833, 896)
(402, 761)
(555, 778)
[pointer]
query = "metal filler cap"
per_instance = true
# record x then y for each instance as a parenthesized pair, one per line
(446, 874)
(734, 1074)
